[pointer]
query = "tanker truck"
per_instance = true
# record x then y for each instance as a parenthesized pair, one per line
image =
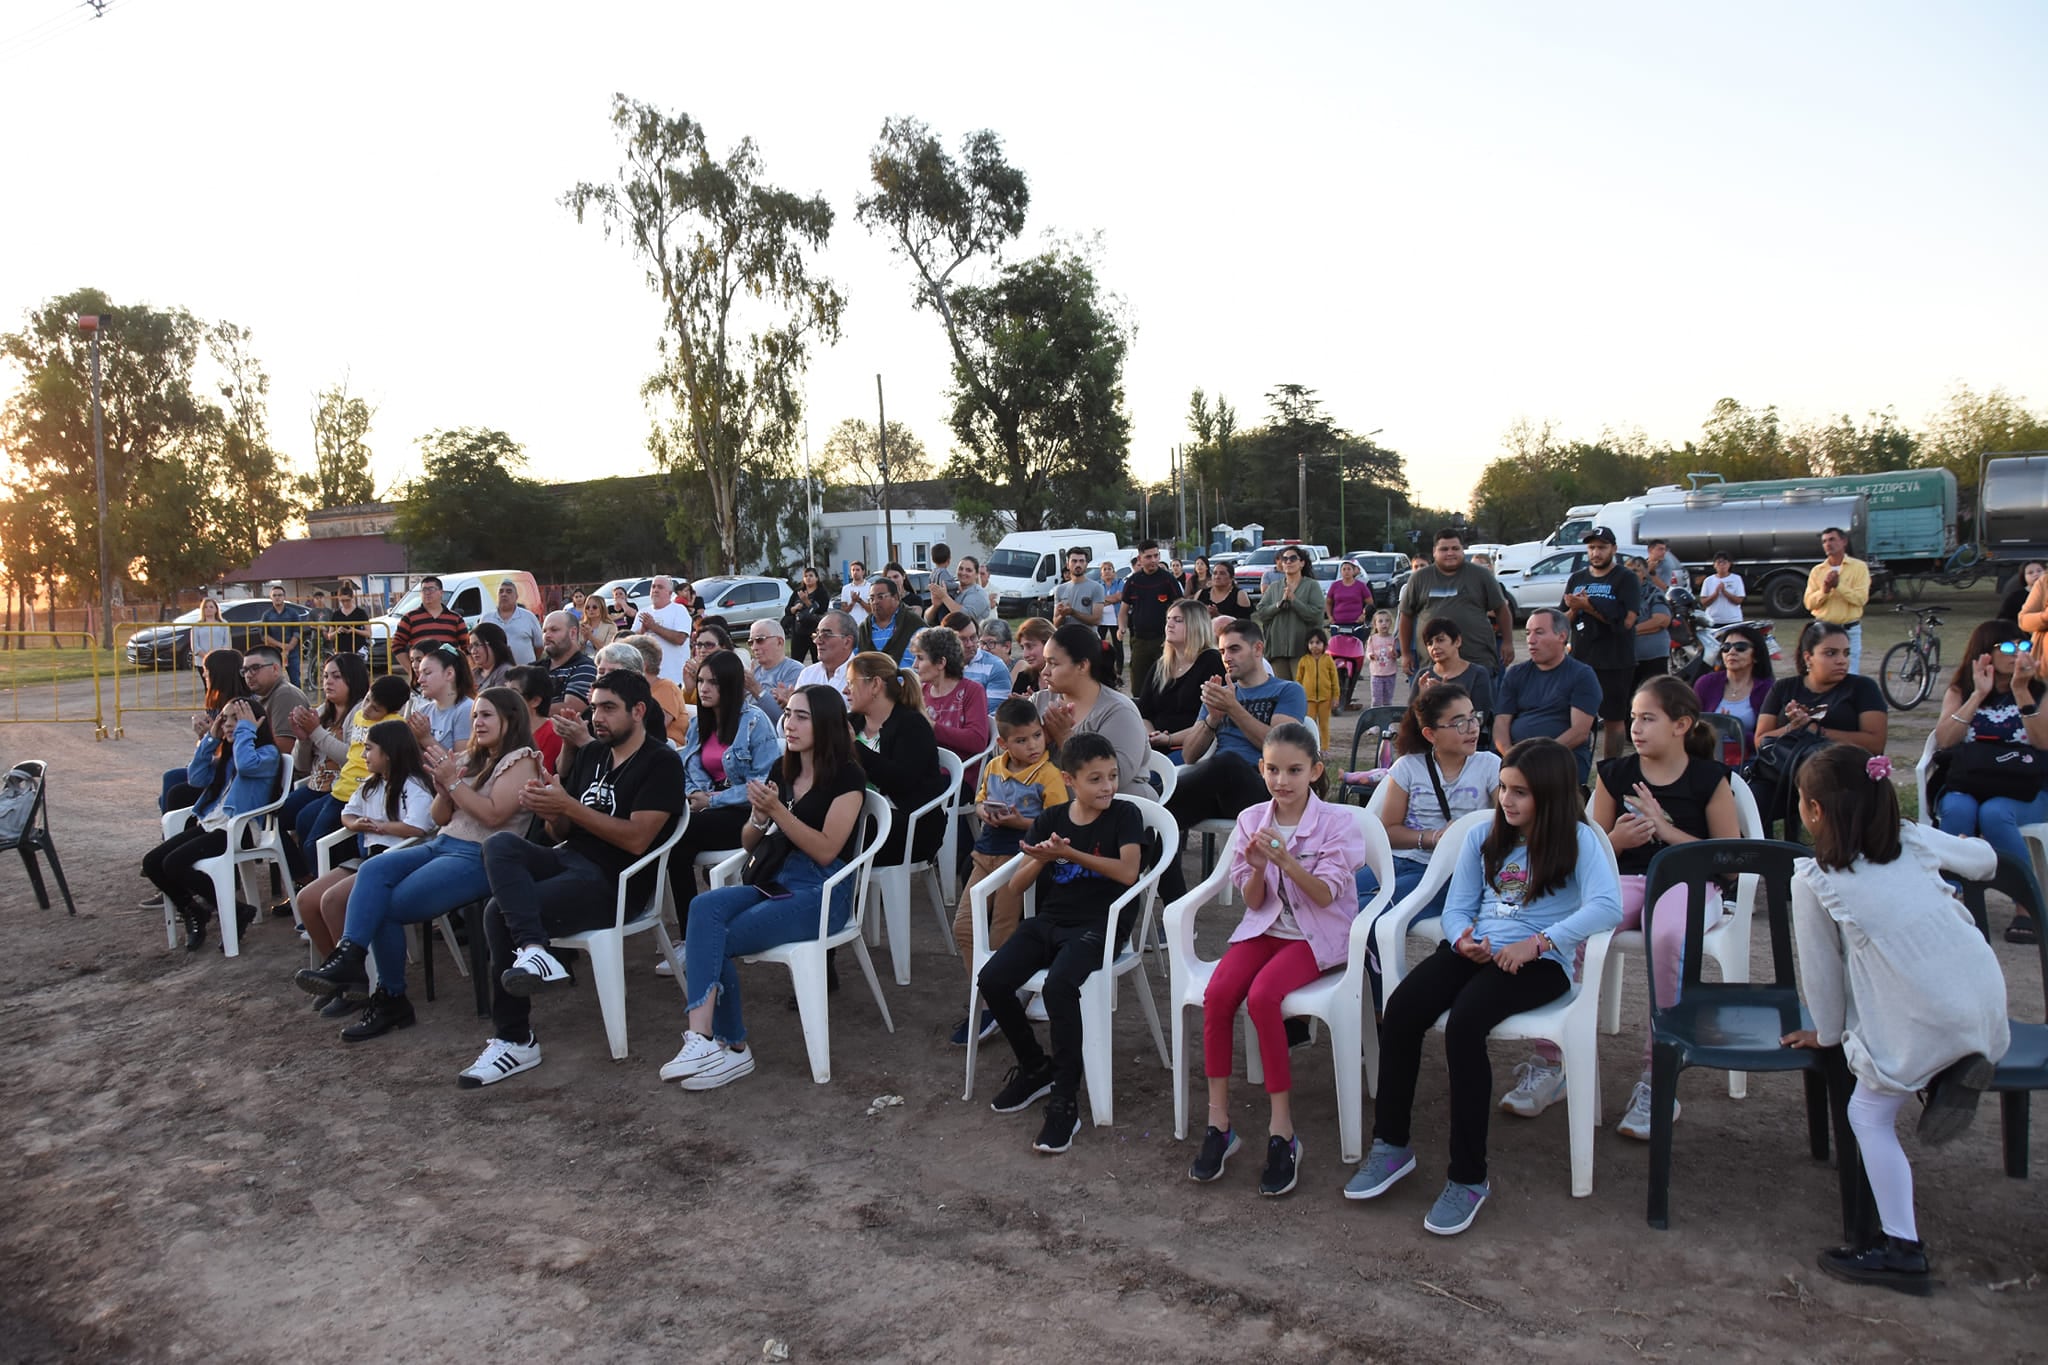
(1774, 541)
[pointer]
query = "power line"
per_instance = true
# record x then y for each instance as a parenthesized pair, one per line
(39, 35)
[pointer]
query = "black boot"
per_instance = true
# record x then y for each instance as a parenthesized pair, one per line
(245, 915)
(383, 1014)
(194, 919)
(1892, 1262)
(341, 972)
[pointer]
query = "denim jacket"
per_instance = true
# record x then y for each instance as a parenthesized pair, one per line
(251, 777)
(750, 757)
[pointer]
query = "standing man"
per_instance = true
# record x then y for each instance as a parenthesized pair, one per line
(1222, 749)
(1080, 598)
(771, 669)
(853, 597)
(668, 621)
(284, 640)
(1837, 590)
(1653, 626)
(1148, 592)
(1551, 696)
(429, 623)
(1605, 600)
(621, 796)
(1468, 594)
(521, 627)
(571, 671)
(1722, 592)
(346, 614)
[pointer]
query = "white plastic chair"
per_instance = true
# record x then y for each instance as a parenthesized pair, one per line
(1571, 1021)
(894, 882)
(1098, 991)
(263, 832)
(1213, 829)
(325, 862)
(963, 805)
(1726, 941)
(1923, 770)
(607, 947)
(1337, 997)
(806, 957)
(1164, 772)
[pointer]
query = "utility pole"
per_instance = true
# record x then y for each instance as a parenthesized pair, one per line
(1180, 496)
(810, 503)
(90, 324)
(1301, 489)
(882, 436)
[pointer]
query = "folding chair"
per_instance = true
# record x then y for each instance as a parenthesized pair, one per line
(27, 784)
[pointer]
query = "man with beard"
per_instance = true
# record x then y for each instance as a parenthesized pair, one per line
(621, 797)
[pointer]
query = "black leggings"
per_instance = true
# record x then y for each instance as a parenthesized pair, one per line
(171, 865)
(1478, 996)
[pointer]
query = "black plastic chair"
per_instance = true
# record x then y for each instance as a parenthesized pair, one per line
(1379, 720)
(1729, 1026)
(35, 833)
(2024, 1068)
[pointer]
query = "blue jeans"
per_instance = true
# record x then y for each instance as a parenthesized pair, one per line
(1408, 875)
(729, 922)
(406, 886)
(1997, 821)
(313, 821)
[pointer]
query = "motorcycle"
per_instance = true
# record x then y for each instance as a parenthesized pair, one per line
(1702, 652)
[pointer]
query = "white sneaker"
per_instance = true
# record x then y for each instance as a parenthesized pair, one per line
(498, 1060)
(1036, 1010)
(698, 1052)
(1540, 1086)
(664, 967)
(1636, 1123)
(727, 1067)
(533, 967)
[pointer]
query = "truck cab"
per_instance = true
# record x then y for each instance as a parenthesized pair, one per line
(1026, 566)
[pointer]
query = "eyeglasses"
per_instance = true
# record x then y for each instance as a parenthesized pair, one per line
(829, 635)
(1464, 725)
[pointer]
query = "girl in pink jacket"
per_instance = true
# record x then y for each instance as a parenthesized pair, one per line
(1295, 859)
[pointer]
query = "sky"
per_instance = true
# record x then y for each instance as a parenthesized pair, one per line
(1443, 218)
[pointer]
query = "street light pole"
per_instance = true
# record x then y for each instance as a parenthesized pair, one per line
(90, 324)
(882, 436)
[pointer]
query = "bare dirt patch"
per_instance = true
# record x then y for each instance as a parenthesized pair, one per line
(197, 1169)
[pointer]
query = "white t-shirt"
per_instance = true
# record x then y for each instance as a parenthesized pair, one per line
(1472, 789)
(415, 808)
(853, 600)
(675, 616)
(1721, 611)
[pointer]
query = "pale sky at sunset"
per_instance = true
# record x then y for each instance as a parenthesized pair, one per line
(1442, 217)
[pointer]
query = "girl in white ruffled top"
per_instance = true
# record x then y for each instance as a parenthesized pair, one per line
(1894, 972)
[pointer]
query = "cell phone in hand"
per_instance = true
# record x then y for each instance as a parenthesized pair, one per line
(1002, 810)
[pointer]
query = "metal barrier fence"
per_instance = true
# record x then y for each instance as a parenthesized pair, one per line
(62, 665)
(156, 668)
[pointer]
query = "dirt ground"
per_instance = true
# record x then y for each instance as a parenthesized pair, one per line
(198, 1169)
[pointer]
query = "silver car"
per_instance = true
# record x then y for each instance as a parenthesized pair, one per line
(1543, 583)
(743, 601)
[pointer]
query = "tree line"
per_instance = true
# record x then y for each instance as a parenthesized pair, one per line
(1524, 493)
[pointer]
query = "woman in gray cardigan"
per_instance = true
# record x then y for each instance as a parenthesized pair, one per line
(1291, 606)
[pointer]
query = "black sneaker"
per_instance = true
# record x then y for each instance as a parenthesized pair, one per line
(281, 910)
(1062, 1121)
(1952, 1099)
(342, 971)
(1022, 1089)
(1283, 1164)
(383, 1014)
(1217, 1148)
(1894, 1263)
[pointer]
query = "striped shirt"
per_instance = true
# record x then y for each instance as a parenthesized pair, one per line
(421, 627)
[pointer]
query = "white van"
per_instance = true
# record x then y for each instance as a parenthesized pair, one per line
(469, 595)
(1027, 565)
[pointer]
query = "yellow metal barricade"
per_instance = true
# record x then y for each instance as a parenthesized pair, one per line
(51, 678)
(161, 667)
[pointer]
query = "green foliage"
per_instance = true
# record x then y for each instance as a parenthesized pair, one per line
(1038, 350)
(728, 254)
(1973, 425)
(851, 459)
(192, 488)
(1245, 475)
(341, 451)
(471, 508)
(606, 528)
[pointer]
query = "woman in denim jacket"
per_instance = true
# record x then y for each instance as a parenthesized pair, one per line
(731, 743)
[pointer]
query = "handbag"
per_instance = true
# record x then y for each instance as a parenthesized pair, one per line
(1773, 771)
(1986, 768)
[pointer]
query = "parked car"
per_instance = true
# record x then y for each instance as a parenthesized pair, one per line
(743, 601)
(170, 646)
(639, 590)
(469, 595)
(1253, 571)
(1379, 570)
(1542, 584)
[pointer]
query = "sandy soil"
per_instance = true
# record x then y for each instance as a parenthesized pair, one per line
(197, 1169)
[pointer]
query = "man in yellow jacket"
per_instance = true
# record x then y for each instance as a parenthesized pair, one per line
(1837, 589)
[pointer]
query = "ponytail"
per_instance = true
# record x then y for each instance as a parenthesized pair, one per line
(1859, 807)
(1426, 711)
(898, 682)
(1679, 702)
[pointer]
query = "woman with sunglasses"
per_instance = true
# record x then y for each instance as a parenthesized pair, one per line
(708, 639)
(1739, 685)
(1994, 698)
(1289, 609)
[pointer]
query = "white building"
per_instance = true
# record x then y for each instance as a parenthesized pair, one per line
(862, 537)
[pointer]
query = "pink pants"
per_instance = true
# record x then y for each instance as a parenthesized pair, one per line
(1257, 973)
(1667, 945)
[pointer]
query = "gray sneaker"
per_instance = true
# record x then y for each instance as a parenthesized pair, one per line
(1455, 1208)
(1383, 1165)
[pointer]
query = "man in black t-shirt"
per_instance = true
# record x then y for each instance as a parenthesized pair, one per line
(347, 613)
(1148, 592)
(621, 796)
(1083, 855)
(1604, 599)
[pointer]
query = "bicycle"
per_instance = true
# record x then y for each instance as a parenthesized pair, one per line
(1912, 667)
(1965, 566)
